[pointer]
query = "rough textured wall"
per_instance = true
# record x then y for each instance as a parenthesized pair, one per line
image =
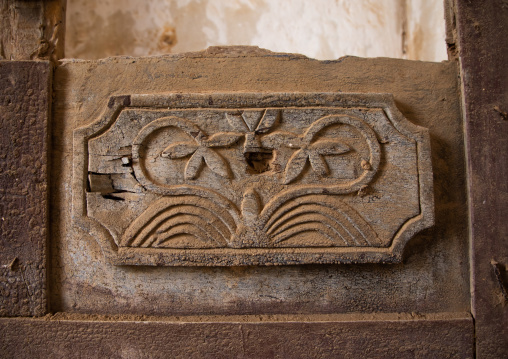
(321, 29)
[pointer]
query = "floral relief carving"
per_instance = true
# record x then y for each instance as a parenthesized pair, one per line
(249, 124)
(310, 148)
(253, 125)
(253, 122)
(201, 150)
(288, 175)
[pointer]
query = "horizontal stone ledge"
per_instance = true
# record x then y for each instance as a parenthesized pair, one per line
(438, 335)
(261, 318)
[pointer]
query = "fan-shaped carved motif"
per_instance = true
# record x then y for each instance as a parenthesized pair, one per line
(319, 215)
(185, 221)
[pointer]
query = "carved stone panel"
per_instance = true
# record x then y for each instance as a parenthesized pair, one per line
(249, 179)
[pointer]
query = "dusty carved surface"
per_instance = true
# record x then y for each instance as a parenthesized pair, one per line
(274, 178)
(24, 95)
(433, 276)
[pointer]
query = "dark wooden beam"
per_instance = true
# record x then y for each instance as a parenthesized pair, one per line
(482, 33)
(24, 112)
(32, 29)
(96, 337)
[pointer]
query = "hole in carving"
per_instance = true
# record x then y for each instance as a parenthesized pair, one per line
(259, 162)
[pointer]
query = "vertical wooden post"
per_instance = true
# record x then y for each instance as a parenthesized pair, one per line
(32, 30)
(482, 30)
(29, 30)
(24, 110)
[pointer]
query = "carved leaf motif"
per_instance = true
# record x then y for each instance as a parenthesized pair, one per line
(270, 118)
(236, 122)
(318, 164)
(329, 147)
(222, 139)
(216, 163)
(295, 165)
(252, 118)
(179, 150)
(194, 164)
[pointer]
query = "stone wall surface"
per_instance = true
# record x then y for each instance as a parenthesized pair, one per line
(433, 276)
(323, 29)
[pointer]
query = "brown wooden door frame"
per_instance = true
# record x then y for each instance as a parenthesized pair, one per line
(477, 35)
(481, 33)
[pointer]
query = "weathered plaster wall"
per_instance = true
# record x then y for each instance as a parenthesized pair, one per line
(321, 29)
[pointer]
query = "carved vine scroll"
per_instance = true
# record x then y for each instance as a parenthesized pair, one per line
(247, 179)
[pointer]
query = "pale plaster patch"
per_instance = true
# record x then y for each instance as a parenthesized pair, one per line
(321, 29)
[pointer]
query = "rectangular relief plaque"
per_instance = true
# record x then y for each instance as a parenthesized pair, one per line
(252, 179)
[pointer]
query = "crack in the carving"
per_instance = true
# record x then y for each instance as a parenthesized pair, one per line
(136, 179)
(113, 186)
(114, 198)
